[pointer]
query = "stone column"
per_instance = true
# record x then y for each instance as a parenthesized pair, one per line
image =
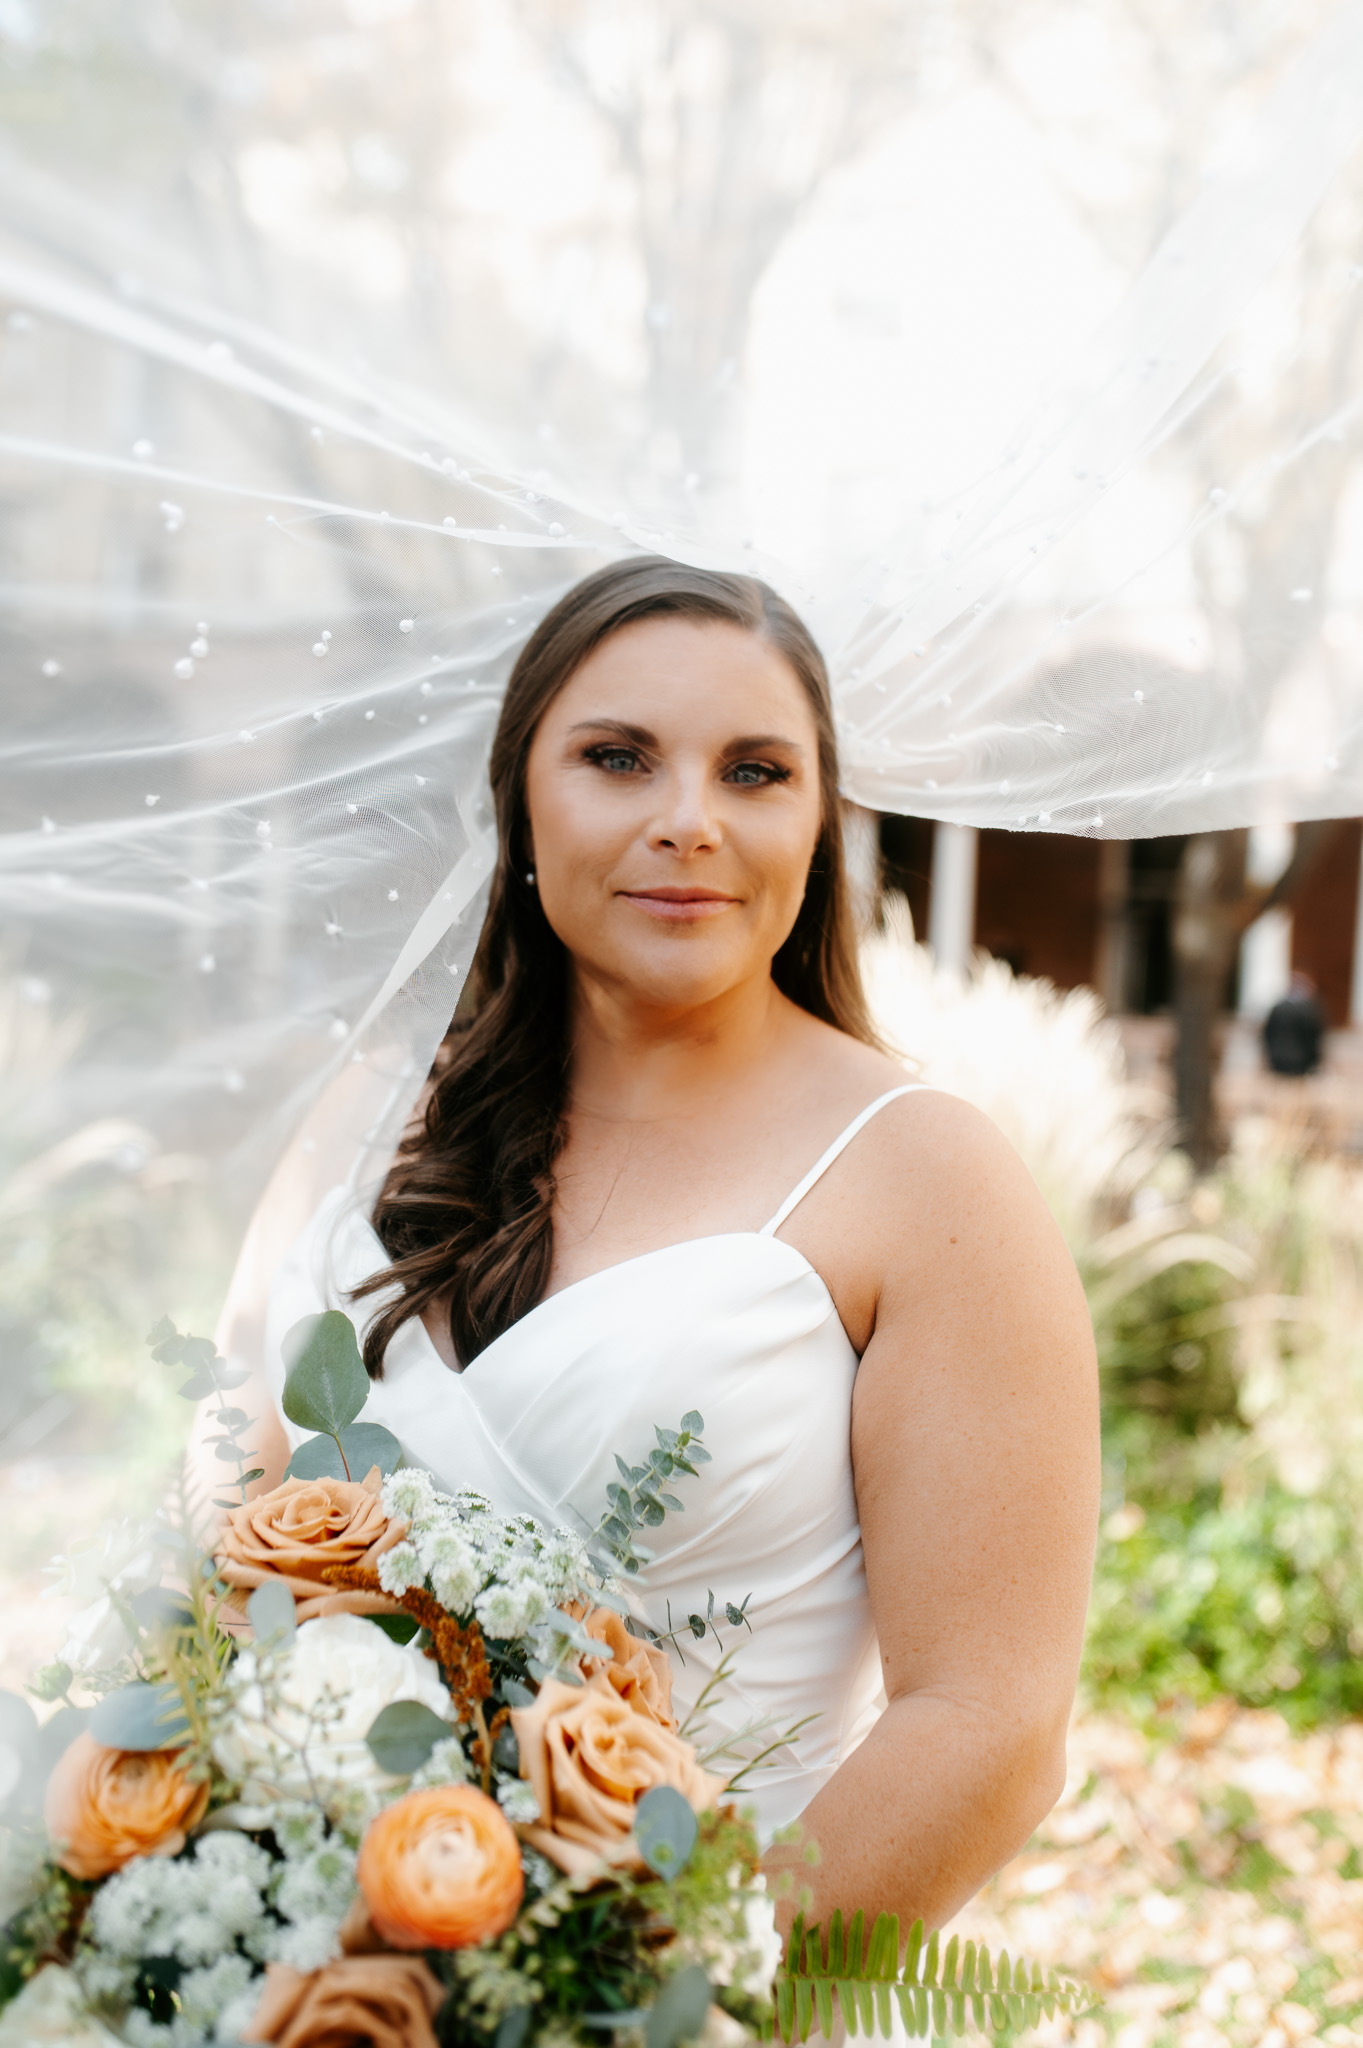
(951, 916)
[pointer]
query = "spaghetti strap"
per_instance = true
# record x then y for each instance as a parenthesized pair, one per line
(839, 1144)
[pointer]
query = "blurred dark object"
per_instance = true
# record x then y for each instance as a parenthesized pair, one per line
(1294, 1029)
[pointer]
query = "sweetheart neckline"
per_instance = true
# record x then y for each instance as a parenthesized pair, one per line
(461, 1373)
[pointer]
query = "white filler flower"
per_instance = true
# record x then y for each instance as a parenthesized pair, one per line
(299, 1718)
(749, 1963)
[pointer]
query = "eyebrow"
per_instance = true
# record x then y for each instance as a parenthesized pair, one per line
(640, 736)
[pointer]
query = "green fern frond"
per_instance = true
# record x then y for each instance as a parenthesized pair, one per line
(937, 1993)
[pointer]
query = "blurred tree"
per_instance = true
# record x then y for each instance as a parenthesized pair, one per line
(725, 118)
(1278, 407)
(1215, 906)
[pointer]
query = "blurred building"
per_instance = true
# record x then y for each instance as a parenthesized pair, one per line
(1100, 912)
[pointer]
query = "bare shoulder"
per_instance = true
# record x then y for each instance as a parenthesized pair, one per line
(951, 1215)
(937, 1147)
(931, 1205)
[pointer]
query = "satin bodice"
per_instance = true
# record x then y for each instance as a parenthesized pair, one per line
(739, 1326)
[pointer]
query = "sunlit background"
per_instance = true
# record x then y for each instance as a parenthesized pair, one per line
(1020, 345)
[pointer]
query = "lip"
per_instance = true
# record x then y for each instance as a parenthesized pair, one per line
(679, 906)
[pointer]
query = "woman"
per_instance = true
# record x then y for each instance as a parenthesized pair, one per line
(662, 1165)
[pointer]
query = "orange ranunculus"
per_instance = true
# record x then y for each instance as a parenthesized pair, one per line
(637, 1670)
(441, 1869)
(293, 1534)
(359, 2002)
(105, 1806)
(590, 1757)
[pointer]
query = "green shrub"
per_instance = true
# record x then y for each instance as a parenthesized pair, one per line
(1260, 1597)
(1168, 1348)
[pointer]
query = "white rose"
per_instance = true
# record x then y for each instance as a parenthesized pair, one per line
(299, 1718)
(96, 1638)
(124, 1558)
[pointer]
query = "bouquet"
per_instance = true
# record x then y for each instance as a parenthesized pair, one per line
(386, 1766)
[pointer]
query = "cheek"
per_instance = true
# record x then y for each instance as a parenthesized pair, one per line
(572, 836)
(783, 855)
(560, 828)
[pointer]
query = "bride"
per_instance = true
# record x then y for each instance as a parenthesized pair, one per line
(661, 1165)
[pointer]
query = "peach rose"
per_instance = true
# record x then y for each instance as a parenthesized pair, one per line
(590, 1757)
(386, 2001)
(638, 1671)
(441, 1869)
(296, 1532)
(105, 1806)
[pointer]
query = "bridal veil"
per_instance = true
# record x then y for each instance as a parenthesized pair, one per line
(1019, 347)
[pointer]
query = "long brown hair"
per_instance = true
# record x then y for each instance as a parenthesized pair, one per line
(467, 1208)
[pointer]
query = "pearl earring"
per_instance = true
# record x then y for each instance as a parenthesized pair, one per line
(530, 877)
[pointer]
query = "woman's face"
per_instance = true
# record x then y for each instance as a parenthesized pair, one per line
(673, 791)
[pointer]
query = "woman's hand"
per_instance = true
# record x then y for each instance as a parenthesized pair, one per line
(975, 1452)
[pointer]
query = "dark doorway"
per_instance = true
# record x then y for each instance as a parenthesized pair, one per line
(1151, 893)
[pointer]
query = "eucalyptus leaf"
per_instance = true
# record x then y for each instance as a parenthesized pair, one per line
(680, 2010)
(513, 2028)
(20, 1744)
(665, 1829)
(272, 1613)
(363, 1443)
(56, 1736)
(693, 1422)
(327, 1384)
(399, 1628)
(199, 1387)
(140, 1717)
(158, 1608)
(402, 1737)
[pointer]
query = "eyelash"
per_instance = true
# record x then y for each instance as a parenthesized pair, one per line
(771, 772)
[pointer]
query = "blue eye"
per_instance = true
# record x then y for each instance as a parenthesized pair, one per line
(615, 760)
(756, 774)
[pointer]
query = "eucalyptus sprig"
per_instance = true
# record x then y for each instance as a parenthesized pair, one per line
(642, 1502)
(208, 1375)
(936, 1992)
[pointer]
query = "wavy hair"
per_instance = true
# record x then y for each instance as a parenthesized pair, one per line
(466, 1211)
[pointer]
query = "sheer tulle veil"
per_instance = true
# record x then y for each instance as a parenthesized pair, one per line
(1021, 354)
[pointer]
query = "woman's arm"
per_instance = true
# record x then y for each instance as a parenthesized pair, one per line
(975, 1451)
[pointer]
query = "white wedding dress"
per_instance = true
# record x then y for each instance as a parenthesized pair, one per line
(739, 1326)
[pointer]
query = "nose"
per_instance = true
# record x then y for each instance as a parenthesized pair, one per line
(685, 822)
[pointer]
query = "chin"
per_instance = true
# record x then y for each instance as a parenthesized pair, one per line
(656, 975)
